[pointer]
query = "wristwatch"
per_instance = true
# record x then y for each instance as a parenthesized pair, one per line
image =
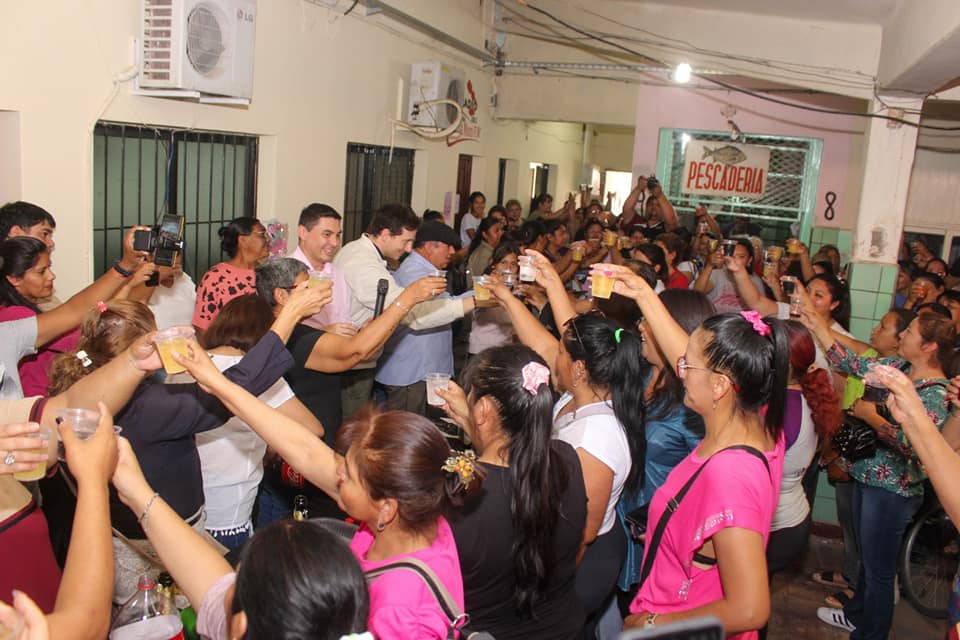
(651, 621)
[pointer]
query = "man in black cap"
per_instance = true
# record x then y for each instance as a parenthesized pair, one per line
(411, 354)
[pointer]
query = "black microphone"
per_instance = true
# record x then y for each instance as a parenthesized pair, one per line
(382, 286)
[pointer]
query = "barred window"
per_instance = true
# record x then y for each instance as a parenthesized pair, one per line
(375, 176)
(141, 173)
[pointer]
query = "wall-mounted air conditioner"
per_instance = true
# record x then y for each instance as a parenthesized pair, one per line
(204, 46)
(434, 81)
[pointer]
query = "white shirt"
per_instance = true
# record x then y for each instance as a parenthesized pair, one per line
(231, 460)
(173, 306)
(793, 507)
(467, 222)
(595, 429)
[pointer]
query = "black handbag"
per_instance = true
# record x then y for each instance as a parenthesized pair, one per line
(856, 440)
(636, 520)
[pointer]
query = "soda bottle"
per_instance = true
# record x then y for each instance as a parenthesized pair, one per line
(142, 617)
(300, 509)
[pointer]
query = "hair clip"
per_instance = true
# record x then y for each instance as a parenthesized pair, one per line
(84, 358)
(462, 463)
(754, 318)
(534, 375)
(617, 334)
(102, 306)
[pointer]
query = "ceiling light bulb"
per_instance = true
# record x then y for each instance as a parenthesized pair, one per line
(682, 73)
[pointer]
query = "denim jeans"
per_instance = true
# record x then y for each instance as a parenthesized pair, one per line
(881, 517)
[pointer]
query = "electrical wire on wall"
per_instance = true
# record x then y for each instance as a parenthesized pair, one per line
(731, 87)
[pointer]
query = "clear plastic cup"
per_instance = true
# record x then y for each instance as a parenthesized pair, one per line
(436, 381)
(774, 253)
(601, 285)
(624, 242)
(40, 470)
(795, 305)
(874, 388)
(528, 272)
(610, 238)
(793, 245)
(318, 278)
(173, 340)
(577, 252)
(438, 273)
(480, 291)
(729, 247)
(789, 285)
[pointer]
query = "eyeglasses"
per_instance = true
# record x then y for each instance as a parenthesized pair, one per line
(683, 367)
(576, 332)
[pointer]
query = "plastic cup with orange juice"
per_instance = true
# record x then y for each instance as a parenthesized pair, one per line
(480, 291)
(602, 285)
(774, 253)
(169, 341)
(577, 252)
(610, 238)
(793, 245)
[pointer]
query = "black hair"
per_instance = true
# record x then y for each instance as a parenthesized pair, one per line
(552, 226)
(476, 194)
(299, 580)
(657, 258)
(825, 265)
(950, 294)
(531, 231)
(394, 218)
(312, 213)
(230, 234)
(540, 199)
(17, 256)
(746, 244)
(934, 307)
(590, 223)
(934, 279)
(24, 215)
(612, 356)
(690, 309)
(503, 250)
(904, 317)
(909, 267)
(839, 293)
(485, 225)
(538, 475)
(430, 214)
(497, 209)
(758, 366)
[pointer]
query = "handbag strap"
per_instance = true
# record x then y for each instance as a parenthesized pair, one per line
(674, 503)
(455, 617)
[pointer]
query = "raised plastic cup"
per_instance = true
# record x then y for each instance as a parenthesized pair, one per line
(83, 421)
(436, 381)
(318, 278)
(438, 273)
(528, 272)
(480, 291)
(610, 238)
(729, 247)
(624, 242)
(793, 245)
(601, 285)
(795, 304)
(40, 470)
(874, 388)
(577, 252)
(774, 253)
(172, 340)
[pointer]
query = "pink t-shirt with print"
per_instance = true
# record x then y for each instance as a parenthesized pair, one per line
(734, 490)
(221, 284)
(402, 607)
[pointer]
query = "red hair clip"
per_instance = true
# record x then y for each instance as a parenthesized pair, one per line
(102, 306)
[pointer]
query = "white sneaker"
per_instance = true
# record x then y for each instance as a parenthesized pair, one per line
(834, 617)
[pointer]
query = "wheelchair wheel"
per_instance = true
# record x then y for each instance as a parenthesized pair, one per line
(928, 561)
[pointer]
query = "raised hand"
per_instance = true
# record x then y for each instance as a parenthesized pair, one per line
(92, 460)
(455, 404)
(17, 442)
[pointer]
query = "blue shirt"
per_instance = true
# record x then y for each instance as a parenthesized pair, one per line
(409, 355)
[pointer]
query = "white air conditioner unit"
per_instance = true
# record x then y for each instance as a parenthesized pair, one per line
(204, 46)
(434, 81)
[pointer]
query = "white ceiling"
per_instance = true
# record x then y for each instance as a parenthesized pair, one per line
(858, 11)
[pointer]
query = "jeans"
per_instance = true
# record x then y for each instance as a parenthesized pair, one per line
(851, 553)
(232, 539)
(881, 518)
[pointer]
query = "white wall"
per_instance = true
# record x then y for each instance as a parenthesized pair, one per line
(321, 81)
(611, 148)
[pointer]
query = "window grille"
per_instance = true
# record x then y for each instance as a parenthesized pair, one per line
(375, 176)
(791, 182)
(141, 173)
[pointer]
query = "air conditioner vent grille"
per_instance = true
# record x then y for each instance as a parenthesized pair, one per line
(157, 44)
(205, 45)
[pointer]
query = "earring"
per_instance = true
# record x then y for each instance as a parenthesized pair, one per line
(714, 403)
(380, 525)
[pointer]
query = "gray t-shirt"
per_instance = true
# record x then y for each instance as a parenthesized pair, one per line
(17, 339)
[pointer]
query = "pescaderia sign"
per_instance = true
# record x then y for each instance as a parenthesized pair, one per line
(725, 169)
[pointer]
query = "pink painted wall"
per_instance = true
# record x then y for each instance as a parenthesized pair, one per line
(841, 167)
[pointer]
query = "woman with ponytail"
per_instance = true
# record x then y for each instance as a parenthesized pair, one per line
(707, 555)
(812, 414)
(518, 540)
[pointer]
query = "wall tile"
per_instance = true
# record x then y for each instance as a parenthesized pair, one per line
(865, 276)
(888, 278)
(884, 300)
(861, 328)
(862, 304)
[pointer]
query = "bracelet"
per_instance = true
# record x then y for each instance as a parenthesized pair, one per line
(123, 272)
(142, 520)
(400, 306)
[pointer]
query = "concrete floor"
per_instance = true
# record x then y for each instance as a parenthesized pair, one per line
(796, 598)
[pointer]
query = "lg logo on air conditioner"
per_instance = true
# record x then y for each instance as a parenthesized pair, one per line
(244, 16)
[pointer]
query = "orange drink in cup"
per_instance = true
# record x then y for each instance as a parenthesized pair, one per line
(577, 252)
(774, 253)
(480, 291)
(45, 433)
(602, 285)
(169, 341)
(610, 238)
(793, 245)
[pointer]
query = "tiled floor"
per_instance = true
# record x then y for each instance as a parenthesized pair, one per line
(796, 598)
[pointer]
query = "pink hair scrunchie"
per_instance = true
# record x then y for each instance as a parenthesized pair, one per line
(534, 375)
(755, 319)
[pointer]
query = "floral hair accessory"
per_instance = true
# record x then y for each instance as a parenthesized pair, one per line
(102, 306)
(84, 358)
(756, 320)
(462, 464)
(534, 375)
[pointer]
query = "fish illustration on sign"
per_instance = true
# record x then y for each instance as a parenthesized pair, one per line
(728, 155)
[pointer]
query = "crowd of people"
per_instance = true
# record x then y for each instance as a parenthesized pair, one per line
(562, 425)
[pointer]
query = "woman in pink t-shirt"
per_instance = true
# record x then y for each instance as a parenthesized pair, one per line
(711, 557)
(396, 477)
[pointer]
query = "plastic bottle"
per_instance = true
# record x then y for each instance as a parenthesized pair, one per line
(146, 616)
